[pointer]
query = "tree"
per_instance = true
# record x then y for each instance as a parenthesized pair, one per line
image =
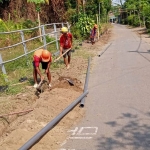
(2, 1)
(38, 9)
(140, 8)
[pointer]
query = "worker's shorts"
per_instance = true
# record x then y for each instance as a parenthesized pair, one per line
(44, 65)
(67, 54)
(92, 39)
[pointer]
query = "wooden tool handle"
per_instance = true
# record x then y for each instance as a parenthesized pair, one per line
(41, 81)
(62, 54)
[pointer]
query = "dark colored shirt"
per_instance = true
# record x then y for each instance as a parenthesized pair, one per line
(93, 33)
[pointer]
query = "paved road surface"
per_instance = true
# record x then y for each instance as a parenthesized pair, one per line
(118, 103)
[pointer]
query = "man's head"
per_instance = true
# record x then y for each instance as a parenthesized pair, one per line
(95, 26)
(64, 30)
(46, 56)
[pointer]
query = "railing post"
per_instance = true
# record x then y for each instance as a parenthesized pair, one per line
(68, 26)
(43, 35)
(57, 47)
(3, 67)
(24, 45)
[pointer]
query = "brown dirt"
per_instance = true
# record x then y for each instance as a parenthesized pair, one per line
(19, 128)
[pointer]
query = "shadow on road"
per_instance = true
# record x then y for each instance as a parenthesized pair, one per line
(140, 53)
(135, 134)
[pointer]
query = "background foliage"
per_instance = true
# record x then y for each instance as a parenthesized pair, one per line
(82, 15)
(135, 13)
(20, 14)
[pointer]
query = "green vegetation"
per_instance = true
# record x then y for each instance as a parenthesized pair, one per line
(82, 17)
(21, 67)
(134, 13)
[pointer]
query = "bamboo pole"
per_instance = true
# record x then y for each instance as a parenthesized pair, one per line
(98, 26)
(39, 26)
(13, 113)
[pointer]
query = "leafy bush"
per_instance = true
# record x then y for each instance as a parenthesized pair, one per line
(29, 24)
(147, 22)
(124, 21)
(136, 21)
(84, 24)
(71, 16)
(48, 39)
(3, 78)
(76, 32)
(10, 25)
(5, 26)
(133, 20)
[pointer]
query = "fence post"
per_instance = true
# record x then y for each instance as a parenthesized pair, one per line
(68, 26)
(56, 36)
(44, 38)
(24, 45)
(3, 67)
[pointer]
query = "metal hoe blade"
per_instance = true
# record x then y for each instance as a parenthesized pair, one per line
(70, 82)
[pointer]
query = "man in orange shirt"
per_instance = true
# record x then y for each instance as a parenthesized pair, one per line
(44, 57)
(65, 44)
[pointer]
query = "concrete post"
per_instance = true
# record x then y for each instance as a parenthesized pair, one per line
(3, 67)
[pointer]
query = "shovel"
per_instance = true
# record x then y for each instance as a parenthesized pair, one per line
(39, 85)
(69, 81)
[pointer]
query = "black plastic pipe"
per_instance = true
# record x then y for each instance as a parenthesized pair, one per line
(86, 82)
(51, 124)
(104, 50)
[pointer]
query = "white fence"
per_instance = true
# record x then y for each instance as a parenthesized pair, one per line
(55, 32)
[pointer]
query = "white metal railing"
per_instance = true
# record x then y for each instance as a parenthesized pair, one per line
(23, 42)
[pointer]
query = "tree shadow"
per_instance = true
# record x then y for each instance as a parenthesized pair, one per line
(148, 51)
(144, 31)
(134, 134)
(140, 53)
(141, 30)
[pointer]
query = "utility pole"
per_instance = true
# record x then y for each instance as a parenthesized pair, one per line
(77, 7)
(143, 14)
(99, 13)
(83, 3)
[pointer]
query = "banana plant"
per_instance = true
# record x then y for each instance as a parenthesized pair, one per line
(84, 23)
(2, 23)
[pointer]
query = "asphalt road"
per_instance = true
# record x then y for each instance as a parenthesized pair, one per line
(118, 104)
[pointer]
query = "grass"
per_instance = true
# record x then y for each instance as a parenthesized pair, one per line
(22, 67)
